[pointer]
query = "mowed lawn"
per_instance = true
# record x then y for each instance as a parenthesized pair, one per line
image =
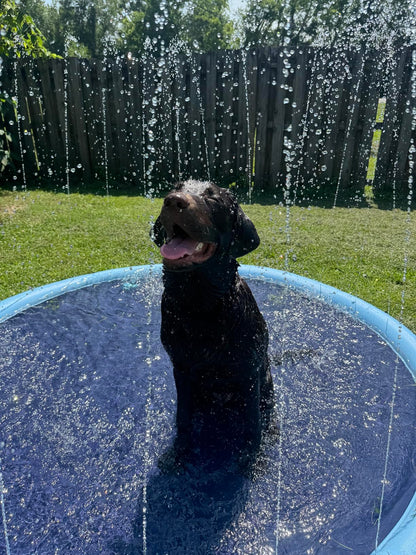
(46, 236)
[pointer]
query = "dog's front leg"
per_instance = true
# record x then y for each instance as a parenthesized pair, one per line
(184, 410)
(252, 416)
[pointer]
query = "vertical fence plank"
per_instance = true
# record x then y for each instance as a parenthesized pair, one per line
(195, 118)
(242, 138)
(77, 119)
(238, 117)
(209, 92)
(92, 110)
(405, 133)
(337, 93)
(275, 160)
(366, 122)
(57, 117)
(37, 124)
(358, 83)
(135, 100)
(226, 102)
(183, 89)
(168, 102)
(51, 135)
(262, 118)
(316, 127)
(121, 127)
(299, 111)
(27, 115)
(177, 115)
(251, 100)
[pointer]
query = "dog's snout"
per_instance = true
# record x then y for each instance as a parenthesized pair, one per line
(177, 200)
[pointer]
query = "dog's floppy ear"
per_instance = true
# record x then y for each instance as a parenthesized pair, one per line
(245, 237)
(157, 233)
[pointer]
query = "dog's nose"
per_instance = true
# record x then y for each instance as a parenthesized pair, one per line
(176, 200)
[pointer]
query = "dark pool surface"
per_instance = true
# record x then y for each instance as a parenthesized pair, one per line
(87, 410)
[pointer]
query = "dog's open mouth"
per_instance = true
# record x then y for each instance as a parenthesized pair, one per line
(183, 249)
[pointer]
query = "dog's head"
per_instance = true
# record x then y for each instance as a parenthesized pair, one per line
(199, 221)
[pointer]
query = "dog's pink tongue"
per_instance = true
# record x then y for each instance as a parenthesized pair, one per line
(178, 247)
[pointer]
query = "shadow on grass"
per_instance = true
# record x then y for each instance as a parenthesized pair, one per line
(321, 195)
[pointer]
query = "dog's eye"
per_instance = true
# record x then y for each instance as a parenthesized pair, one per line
(210, 195)
(213, 201)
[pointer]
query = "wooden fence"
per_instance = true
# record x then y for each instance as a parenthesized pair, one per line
(268, 118)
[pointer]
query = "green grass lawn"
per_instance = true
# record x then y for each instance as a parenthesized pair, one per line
(47, 236)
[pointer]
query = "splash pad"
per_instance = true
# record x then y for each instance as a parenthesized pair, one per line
(88, 409)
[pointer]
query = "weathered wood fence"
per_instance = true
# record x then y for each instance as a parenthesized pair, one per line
(266, 118)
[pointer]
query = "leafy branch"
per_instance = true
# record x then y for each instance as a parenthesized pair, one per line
(19, 34)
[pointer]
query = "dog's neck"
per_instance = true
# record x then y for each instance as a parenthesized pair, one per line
(200, 287)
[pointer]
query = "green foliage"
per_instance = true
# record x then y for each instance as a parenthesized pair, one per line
(85, 28)
(202, 25)
(90, 28)
(375, 23)
(82, 28)
(133, 31)
(162, 21)
(18, 33)
(43, 17)
(262, 22)
(207, 25)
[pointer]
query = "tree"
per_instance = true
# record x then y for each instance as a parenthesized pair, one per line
(279, 22)
(42, 15)
(348, 22)
(80, 28)
(261, 22)
(201, 24)
(374, 23)
(133, 30)
(19, 33)
(163, 20)
(207, 25)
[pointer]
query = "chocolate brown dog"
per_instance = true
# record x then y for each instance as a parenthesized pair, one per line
(211, 328)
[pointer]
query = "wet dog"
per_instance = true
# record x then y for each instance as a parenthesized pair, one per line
(211, 327)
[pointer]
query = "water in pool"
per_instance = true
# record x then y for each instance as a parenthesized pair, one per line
(87, 410)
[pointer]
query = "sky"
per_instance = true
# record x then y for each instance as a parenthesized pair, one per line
(235, 4)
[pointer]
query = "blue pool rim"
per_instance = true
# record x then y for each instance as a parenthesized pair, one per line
(402, 538)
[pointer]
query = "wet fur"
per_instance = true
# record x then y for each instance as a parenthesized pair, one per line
(212, 329)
